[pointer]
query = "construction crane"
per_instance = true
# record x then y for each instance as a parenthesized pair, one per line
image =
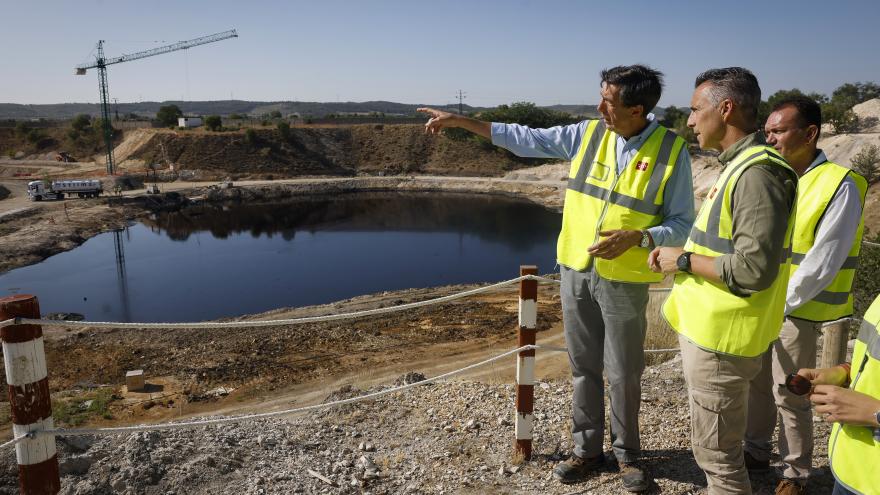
(101, 64)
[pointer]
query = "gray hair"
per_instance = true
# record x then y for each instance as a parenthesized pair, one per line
(737, 84)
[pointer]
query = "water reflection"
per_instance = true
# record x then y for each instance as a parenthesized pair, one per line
(517, 222)
(211, 261)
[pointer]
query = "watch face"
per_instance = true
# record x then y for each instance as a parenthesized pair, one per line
(683, 262)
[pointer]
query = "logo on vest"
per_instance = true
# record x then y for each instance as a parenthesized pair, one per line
(642, 166)
(712, 194)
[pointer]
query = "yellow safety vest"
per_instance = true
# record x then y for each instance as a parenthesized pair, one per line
(706, 312)
(816, 188)
(598, 199)
(854, 451)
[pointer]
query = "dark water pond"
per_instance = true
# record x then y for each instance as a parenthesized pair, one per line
(211, 262)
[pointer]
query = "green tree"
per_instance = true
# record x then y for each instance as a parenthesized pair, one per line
(81, 123)
(284, 130)
(838, 110)
(671, 116)
(168, 115)
(867, 283)
(523, 112)
(250, 137)
(213, 122)
(275, 114)
(22, 129)
(867, 163)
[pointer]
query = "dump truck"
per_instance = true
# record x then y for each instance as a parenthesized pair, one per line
(39, 190)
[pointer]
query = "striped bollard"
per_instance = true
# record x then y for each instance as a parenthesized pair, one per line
(525, 364)
(28, 385)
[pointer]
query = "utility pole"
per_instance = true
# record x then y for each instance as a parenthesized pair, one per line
(461, 96)
(116, 108)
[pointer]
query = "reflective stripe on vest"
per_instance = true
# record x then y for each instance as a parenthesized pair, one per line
(706, 312)
(854, 450)
(816, 189)
(598, 198)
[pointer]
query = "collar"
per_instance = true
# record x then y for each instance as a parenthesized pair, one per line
(753, 139)
(820, 159)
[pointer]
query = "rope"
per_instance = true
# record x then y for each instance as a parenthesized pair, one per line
(874, 244)
(269, 323)
(62, 432)
(14, 441)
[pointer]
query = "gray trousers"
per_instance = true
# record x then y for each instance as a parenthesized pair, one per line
(768, 397)
(605, 326)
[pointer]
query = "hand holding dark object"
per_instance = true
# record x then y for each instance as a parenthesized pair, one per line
(797, 384)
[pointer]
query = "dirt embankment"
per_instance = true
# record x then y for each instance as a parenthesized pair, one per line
(343, 150)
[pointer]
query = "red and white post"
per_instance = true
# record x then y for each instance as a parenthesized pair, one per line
(525, 364)
(28, 388)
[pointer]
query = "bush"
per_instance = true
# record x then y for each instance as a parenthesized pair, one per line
(168, 115)
(250, 137)
(81, 123)
(213, 122)
(33, 136)
(523, 112)
(867, 283)
(22, 129)
(284, 130)
(867, 163)
(841, 118)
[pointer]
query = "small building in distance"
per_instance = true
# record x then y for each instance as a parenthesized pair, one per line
(189, 121)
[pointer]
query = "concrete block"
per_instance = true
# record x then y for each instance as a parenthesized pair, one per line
(134, 380)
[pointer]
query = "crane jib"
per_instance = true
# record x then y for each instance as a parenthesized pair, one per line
(102, 62)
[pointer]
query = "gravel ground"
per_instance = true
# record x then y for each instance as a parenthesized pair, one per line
(451, 437)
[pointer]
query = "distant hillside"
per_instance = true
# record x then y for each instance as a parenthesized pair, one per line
(62, 111)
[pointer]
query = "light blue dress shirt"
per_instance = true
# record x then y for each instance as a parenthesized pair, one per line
(562, 142)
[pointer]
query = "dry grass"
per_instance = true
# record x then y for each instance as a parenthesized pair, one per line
(659, 335)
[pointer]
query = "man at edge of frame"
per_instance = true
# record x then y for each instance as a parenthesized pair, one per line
(629, 189)
(728, 297)
(825, 249)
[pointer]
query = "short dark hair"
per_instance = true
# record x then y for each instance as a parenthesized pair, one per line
(639, 85)
(808, 110)
(734, 83)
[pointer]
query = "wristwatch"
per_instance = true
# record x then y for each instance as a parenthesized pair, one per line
(877, 429)
(684, 261)
(646, 240)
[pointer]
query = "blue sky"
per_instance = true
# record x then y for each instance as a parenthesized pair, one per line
(423, 52)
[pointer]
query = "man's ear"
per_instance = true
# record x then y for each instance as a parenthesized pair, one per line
(726, 107)
(812, 133)
(637, 110)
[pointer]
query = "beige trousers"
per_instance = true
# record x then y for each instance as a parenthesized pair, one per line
(718, 389)
(768, 398)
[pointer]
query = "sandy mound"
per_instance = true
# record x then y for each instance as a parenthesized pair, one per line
(869, 115)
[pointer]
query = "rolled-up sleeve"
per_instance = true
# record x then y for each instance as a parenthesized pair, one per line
(560, 142)
(678, 205)
(762, 201)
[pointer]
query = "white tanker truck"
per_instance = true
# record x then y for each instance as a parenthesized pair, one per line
(39, 190)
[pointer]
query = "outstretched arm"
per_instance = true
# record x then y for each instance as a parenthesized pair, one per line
(440, 120)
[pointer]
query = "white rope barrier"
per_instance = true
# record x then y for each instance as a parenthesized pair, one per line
(268, 323)
(62, 432)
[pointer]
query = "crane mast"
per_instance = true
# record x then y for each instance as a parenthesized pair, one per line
(101, 64)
